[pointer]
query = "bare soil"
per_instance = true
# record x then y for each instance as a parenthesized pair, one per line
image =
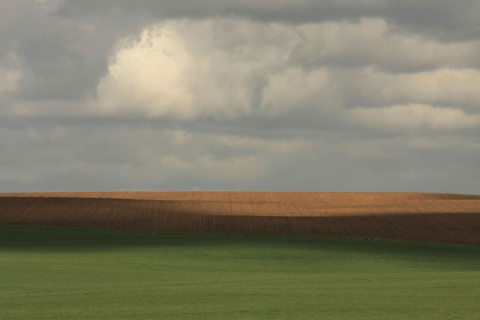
(397, 216)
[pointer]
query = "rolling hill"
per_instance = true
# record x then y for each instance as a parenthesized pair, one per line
(396, 216)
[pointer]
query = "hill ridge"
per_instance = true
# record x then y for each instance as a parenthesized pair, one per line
(401, 216)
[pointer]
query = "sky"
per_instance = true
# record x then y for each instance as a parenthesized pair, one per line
(300, 95)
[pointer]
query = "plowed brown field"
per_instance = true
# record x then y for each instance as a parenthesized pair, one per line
(401, 216)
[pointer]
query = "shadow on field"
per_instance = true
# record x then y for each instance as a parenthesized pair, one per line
(38, 239)
(188, 216)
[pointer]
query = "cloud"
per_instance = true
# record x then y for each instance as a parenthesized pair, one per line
(229, 68)
(374, 42)
(446, 86)
(48, 5)
(415, 117)
(444, 20)
(187, 69)
(261, 95)
(61, 57)
(293, 88)
(152, 74)
(9, 80)
(140, 158)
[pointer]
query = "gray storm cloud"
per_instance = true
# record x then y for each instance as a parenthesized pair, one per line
(254, 95)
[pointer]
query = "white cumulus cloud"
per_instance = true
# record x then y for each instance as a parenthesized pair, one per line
(187, 69)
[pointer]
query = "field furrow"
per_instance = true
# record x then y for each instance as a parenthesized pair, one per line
(401, 216)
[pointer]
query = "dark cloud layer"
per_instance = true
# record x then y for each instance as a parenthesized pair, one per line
(452, 20)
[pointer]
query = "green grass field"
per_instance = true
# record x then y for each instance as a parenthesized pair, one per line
(60, 273)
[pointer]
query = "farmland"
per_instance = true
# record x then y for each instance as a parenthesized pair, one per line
(397, 216)
(239, 255)
(71, 273)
